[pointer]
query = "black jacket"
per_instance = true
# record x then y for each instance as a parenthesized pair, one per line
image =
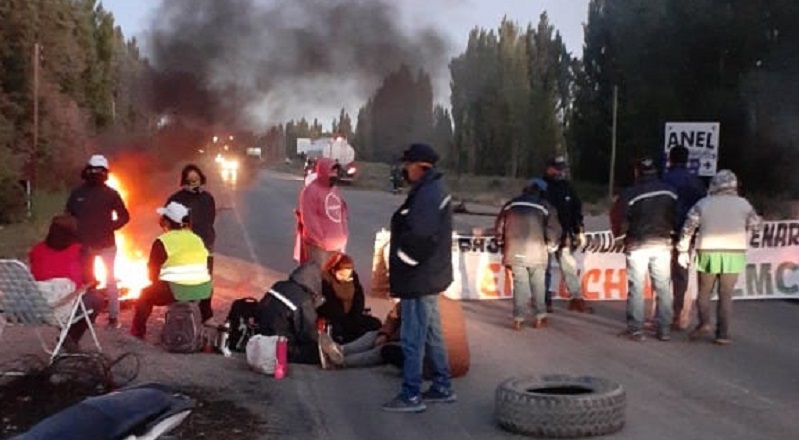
(202, 212)
(561, 194)
(289, 309)
(93, 207)
(420, 259)
(645, 214)
(526, 227)
(347, 325)
(689, 188)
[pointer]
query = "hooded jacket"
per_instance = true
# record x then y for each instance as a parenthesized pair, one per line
(289, 309)
(721, 219)
(420, 255)
(322, 211)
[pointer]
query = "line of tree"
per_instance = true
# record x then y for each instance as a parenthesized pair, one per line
(90, 81)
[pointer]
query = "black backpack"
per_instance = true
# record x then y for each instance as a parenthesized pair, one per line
(183, 328)
(241, 322)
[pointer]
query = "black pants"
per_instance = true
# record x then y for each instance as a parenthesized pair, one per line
(157, 294)
(679, 282)
(94, 304)
(726, 282)
(206, 311)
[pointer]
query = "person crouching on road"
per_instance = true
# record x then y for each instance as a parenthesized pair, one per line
(420, 268)
(720, 222)
(178, 267)
(644, 215)
(527, 228)
(289, 309)
(202, 213)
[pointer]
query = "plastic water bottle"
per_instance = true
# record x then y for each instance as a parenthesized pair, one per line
(224, 334)
(281, 357)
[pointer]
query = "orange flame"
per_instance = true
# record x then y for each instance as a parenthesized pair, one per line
(130, 265)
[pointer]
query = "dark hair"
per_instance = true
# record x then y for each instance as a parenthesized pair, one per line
(63, 232)
(678, 154)
(338, 261)
(184, 174)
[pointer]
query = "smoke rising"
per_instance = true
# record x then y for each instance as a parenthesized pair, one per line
(255, 63)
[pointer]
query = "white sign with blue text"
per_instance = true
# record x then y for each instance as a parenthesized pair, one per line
(702, 141)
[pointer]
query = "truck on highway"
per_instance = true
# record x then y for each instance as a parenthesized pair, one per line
(336, 148)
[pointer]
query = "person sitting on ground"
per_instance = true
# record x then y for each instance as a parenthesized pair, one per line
(344, 307)
(289, 309)
(178, 267)
(371, 349)
(59, 256)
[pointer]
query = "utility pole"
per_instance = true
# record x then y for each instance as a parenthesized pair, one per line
(613, 140)
(35, 146)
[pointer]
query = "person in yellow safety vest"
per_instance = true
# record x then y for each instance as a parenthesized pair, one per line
(177, 266)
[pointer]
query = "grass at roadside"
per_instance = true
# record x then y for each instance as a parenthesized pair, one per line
(16, 239)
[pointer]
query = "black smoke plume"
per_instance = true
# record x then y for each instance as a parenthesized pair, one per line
(254, 63)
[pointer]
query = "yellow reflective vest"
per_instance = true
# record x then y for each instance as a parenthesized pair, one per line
(186, 258)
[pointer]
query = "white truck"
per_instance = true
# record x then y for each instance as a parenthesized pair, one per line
(335, 148)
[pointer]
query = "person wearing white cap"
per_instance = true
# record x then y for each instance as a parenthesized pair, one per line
(177, 266)
(99, 211)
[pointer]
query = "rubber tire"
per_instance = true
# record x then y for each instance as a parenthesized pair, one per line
(599, 412)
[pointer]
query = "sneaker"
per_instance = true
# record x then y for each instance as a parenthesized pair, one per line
(723, 341)
(331, 349)
(633, 335)
(113, 323)
(699, 332)
(402, 405)
(663, 336)
(517, 325)
(434, 395)
(579, 305)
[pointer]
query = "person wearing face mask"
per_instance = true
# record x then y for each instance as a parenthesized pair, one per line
(99, 211)
(321, 217)
(344, 307)
(202, 213)
(178, 267)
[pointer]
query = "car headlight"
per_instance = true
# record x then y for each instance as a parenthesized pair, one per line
(351, 171)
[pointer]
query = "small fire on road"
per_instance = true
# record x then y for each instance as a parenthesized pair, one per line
(130, 266)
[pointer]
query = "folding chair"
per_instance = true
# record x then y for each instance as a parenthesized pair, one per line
(23, 304)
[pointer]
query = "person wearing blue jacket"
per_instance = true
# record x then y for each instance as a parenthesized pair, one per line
(690, 189)
(420, 268)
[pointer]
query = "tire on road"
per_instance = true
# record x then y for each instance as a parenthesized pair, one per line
(560, 406)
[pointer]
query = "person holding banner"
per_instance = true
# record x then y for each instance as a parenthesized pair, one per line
(644, 216)
(561, 194)
(527, 228)
(689, 188)
(720, 223)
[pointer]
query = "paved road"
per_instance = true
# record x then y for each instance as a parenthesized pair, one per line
(675, 390)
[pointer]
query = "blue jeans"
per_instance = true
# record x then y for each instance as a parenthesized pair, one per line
(528, 282)
(568, 269)
(420, 334)
(657, 261)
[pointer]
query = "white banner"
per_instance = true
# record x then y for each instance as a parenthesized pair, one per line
(772, 269)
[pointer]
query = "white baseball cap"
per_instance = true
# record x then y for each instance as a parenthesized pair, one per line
(98, 161)
(174, 211)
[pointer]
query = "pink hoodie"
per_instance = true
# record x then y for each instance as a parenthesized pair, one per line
(322, 211)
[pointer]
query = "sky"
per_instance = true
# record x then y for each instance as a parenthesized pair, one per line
(455, 18)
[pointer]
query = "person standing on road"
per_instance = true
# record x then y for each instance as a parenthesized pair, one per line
(420, 268)
(321, 217)
(644, 217)
(527, 228)
(561, 194)
(99, 211)
(202, 214)
(689, 189)
(720, 223)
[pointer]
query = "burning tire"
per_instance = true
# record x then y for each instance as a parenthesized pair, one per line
(560, 406)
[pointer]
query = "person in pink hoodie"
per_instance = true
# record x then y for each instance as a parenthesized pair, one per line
(321, 217)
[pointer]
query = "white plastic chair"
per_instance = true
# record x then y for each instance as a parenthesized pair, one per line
(22, 303)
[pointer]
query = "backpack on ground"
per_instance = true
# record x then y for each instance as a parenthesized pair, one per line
(241, 323)
(182, 328)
